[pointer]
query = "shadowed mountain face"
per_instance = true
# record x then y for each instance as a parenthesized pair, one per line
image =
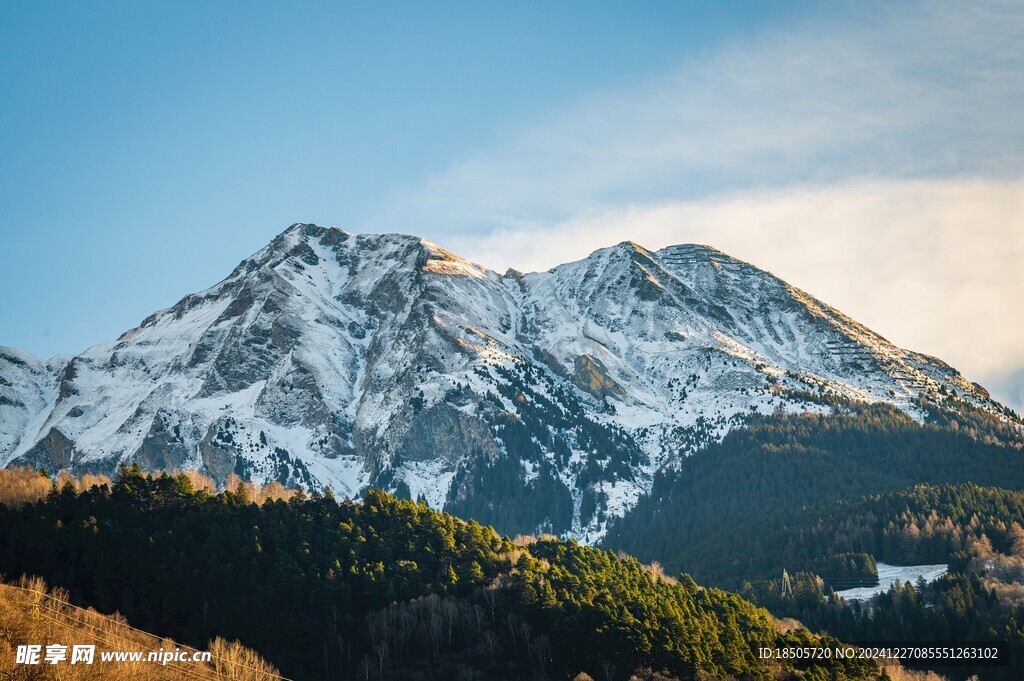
(530, 401)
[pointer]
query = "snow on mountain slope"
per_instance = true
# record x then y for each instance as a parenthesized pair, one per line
(25, 392)
(536, 401)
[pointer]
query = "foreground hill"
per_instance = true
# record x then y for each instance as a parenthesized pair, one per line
(529, 401)
(30, 614)
(384, 588)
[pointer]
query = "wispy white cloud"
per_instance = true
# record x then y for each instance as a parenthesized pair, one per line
(872, 90)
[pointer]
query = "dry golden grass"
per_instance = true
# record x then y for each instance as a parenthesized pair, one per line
(898, 673)
(31, 614)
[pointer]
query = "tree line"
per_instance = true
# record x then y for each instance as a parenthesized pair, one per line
(383, 588)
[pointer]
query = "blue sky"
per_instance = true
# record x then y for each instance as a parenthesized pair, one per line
(145, 148)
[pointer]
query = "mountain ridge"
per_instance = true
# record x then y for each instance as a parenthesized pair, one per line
(330, 358)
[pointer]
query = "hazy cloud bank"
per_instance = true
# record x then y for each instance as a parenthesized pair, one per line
(935, 266)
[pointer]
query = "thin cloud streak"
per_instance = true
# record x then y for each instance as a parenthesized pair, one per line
(900, 91)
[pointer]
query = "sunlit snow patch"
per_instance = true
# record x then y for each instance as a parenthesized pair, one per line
(887, 576)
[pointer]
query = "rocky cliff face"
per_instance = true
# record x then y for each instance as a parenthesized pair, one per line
(532, 401)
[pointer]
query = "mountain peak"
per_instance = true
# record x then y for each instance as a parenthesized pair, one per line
(627, 248)
(356, 360)
(308, 231)
(700, 253)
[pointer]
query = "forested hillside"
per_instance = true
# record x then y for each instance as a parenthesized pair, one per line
(924, 524)
(384, 588)
(794, 508)
(793, 491)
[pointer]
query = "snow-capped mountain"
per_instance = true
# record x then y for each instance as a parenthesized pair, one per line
(544, 400)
